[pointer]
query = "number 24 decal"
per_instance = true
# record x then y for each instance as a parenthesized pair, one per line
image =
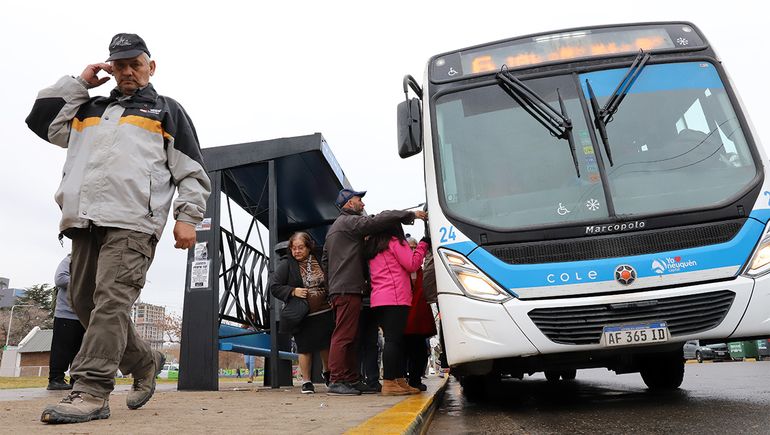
(447, 234)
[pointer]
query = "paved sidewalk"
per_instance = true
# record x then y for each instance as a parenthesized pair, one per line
(236, 408)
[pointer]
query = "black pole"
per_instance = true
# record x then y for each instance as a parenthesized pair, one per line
(274, 303)
(199, 351)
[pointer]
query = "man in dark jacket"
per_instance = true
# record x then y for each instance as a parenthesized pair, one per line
(348, 281)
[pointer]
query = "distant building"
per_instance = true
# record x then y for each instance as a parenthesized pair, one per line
(30, 357)
(149, 321)
(9, 295)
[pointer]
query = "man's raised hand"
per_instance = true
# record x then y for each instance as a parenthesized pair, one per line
(89, 75)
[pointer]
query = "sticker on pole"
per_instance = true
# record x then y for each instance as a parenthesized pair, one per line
(199, 274)
(204, 225)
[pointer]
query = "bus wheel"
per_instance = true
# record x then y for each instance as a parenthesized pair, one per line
(552, 375)
(479, 387)
(664, 371)
(569, 375)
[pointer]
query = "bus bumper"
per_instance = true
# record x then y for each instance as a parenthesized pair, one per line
(756, 320)
(742, 288)
(479, 331)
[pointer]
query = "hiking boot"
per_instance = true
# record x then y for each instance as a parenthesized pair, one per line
(307, 388)
(144, 382)
(365, 388)
(58, 384)
(327, 376)
(405, 385)
(77, 407)
(342, 389)
(392, 388)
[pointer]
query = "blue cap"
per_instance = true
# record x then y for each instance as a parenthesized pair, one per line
(345, 195)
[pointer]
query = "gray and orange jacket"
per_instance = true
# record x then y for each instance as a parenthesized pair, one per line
(125, 157)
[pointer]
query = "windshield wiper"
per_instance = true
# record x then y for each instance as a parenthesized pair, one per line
(603, 116)
(556, 122)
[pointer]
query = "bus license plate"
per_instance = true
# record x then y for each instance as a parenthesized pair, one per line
(635, 334)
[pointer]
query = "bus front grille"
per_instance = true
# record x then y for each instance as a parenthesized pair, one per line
(683, 315)
(618, 245)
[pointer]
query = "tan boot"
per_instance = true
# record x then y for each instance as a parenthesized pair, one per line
(392, 388)
(406, 387)
(77, 407)
(144, 382)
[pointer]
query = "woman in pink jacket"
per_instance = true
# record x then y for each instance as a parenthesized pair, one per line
(391, 261)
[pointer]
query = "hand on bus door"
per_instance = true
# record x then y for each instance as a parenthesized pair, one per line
(419, 214)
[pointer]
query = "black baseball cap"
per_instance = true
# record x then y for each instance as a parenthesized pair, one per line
(345, 195)
(126, 46)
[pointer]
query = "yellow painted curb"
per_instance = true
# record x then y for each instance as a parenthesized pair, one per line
(402, 417)
(750, 359)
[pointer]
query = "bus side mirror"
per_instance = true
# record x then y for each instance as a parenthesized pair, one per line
(409, 128)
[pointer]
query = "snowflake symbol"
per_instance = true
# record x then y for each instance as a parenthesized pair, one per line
(592, 204)
(682, 41)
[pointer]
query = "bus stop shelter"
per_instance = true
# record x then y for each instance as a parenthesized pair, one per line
(283, 185)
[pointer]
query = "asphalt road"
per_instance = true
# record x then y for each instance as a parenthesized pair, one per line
(715, 398)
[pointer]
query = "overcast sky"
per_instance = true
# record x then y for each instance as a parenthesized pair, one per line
(248, 71)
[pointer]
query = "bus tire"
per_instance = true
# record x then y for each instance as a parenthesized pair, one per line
(552, 375)
(479, 387)
(664, 371)
(569, 375)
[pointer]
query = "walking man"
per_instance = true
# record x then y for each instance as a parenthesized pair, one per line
(126, 156)
(348, 278)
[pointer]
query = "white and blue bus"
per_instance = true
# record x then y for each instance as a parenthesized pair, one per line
(597, 197)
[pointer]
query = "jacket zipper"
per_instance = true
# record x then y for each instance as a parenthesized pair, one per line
(149, 201)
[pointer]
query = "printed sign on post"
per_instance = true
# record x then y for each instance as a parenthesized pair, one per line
(199, 274)
(201, 251)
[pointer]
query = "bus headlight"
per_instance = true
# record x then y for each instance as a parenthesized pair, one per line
(473, 282)
(760, 262)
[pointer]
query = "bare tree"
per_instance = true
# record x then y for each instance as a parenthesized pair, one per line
(24, 319)
(172, 328)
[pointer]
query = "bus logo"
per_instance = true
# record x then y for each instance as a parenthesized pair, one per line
(615, 228)
(625, 274)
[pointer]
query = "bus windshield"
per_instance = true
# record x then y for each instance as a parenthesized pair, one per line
(676, 145)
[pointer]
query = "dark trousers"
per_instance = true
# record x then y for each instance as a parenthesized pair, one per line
(416, 357)
(343, 363)
(107, 274)
(368, 350)
(392, 319)
(67, 337)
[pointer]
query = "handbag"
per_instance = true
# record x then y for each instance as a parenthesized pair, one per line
(317, 300)
(292, 314)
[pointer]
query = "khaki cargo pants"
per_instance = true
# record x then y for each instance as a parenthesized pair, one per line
(107, 273)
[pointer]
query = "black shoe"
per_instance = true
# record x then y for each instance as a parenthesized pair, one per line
(365, 388)
(307, 388)
(58, 384)
(342, 389)
(376, 385)
(420, 386)
(327, 376)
